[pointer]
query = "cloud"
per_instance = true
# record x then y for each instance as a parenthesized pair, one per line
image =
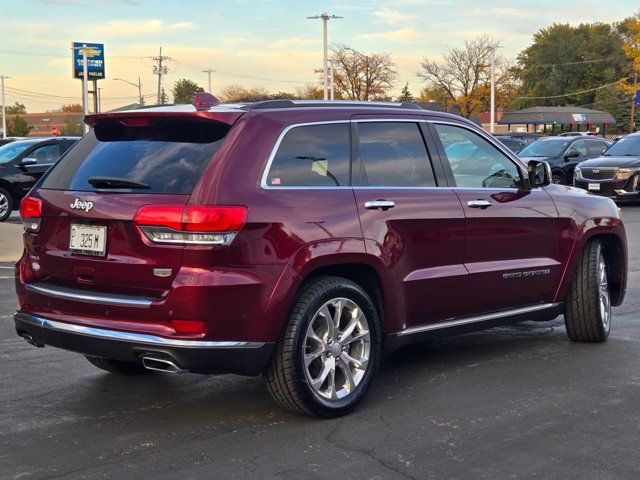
(294, 42)
(130, 28)
(392, 17)
(402, 35)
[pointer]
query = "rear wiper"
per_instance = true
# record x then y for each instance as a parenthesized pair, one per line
(114, 182)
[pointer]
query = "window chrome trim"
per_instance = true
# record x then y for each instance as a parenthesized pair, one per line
(87, 297)
(478, 318)
(116, 335)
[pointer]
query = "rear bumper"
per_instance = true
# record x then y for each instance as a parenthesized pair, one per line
(198, 356)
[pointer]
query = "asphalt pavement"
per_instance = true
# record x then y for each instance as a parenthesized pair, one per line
(511, 402)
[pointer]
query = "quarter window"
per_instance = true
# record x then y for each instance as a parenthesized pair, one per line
(312, 155)
(394, 154)
(474, 161)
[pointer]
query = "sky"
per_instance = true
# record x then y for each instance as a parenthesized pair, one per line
(265, 43)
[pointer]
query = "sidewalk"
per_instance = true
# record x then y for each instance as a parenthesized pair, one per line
(10, 240)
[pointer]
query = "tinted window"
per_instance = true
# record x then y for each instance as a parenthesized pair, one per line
(46, 155)
(551, 147)
(475, 162)
(596, 148)
(168, 156)
(394, 154)
(312, 155)
(11, 150)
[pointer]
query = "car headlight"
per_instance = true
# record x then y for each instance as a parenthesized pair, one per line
(627, 172)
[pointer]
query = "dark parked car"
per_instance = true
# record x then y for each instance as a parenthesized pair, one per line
(22, 163)
(300, 240)
(527, 137)
(512, 143)
(564, 153)
(614, 174)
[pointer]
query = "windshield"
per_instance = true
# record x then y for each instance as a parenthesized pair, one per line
(625, 147)
(545, 148)
(11, 150)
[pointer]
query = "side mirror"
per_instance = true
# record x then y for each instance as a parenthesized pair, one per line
(571, 154)
(28, 161)
(539, 173)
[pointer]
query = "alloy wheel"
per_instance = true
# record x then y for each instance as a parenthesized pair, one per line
(4, 205)
(603, 294)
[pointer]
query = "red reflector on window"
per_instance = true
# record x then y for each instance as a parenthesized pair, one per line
(188, 327)
(30, 208)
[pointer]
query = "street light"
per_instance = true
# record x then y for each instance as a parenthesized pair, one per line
(493, 87)
(139, 87)
(325, 18)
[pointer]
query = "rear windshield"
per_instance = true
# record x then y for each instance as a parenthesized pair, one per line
(165, 156)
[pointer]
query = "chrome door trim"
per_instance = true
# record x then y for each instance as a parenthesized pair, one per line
(87, 297)
(479, 318)
(143, 338)
(379, 205)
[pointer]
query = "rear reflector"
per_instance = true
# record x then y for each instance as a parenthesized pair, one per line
(31, 213)
(188, 327)
(190, 225)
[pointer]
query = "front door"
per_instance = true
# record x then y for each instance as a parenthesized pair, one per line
(511, 246)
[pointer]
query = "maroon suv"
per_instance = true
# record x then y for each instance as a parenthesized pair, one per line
(301, 240)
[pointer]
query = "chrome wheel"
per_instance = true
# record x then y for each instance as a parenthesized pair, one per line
(603, 294)
(4, 205)
(336, 349)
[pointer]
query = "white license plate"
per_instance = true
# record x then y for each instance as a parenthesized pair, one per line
(594, 187)
(88, 240)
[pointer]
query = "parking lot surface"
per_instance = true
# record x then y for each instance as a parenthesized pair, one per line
(511, 402)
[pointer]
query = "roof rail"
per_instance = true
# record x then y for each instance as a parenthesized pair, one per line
(266, 104)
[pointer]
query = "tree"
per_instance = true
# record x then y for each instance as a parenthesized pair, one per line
(184, 90)
(311, 92)
(237, 94)
(72, 126)
(163, 97)
(362, 77)
(566, 59)
(72, 107)
(462, 77)
(16, 108)
(630, 31)
(18, 127)
(405, 95)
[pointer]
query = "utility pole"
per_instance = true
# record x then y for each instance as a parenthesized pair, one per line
(137, 85)
(325, 17)
(493, 88)
(208, 71)
(632, 120)
(160, 70)
(4, 109)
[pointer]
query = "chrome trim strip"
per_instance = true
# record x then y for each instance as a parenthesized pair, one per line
(116, 335)
(86, 297)
(479, 318)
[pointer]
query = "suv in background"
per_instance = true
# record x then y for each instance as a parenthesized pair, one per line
(22, 163)
(616, 174)
(300, 240)
(564, 153)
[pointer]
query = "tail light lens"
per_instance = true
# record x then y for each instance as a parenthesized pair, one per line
(31, 214)
(190, 225)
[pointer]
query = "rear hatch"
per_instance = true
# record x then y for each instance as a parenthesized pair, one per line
(88, 239)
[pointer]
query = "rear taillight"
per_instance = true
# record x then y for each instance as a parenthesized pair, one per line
(190, 225)
(31, 214)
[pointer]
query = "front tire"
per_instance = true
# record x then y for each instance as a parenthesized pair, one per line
(587, 314)
(117, 366)
(325, 360)
(6, 204)
(558, 178)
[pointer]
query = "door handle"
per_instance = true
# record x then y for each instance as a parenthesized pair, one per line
(482, 204)
(379, 204)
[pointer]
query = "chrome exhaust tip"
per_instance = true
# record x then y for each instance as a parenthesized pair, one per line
(161, 365)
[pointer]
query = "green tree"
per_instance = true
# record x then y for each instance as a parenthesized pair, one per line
(18, 127)
(405, 95)
(16, 108)
(72, 126)
(184, 90)
(163, 97)
(566, 59)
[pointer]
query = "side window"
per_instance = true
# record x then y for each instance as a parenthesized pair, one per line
(312, 155)
(394, 155)
(596, 148)
(581, 147)
(474, 161)
(46, 154)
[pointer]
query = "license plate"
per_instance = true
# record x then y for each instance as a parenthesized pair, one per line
(88, 240)
(594, 187)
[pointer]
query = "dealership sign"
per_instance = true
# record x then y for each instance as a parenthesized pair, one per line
(95, 60)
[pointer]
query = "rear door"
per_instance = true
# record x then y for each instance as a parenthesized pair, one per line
(35, 162)
(511, 246)
(165, 158)
(415, 228)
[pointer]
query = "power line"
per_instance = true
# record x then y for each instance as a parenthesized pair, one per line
(580, 62)
(577, 93)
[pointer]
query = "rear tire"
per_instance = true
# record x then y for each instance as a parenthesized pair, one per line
(329, 352)
(558, 178)
(117, 366)
(587, 314)
(6, 204)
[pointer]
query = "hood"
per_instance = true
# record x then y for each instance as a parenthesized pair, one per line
(623, 162)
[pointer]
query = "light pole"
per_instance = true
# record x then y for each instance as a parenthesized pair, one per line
(4, 109)
(325, 17)
(492, 127)
(208, 71)
(137, 85)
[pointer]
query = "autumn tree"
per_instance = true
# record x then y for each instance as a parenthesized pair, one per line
(362, 77)
(311, 92)
(184, 90)
(630, 31)
(72, 107)
(462, 76)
